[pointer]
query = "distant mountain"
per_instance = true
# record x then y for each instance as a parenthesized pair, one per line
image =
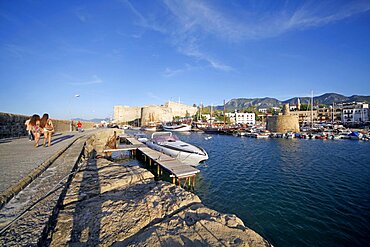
(95, 120)
(360, 98)
(326, 99)
(245, 103)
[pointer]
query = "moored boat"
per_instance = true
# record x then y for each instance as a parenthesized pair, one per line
(214, 130)
(149, 128)
(177, 128)
(355, 135)
(171, 145)
(141, 137)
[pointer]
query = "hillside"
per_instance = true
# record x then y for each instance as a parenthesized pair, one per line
(267, 102)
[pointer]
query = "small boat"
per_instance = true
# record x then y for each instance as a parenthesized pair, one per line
(289, 135)
(177, 128)
(263, 134)
(141, 137)
(148, 128)
(214, 130)
(171, 145)
(241, 133)
(355, 135)
(335, 137)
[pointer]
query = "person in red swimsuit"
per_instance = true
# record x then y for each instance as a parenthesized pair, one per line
(79, 126)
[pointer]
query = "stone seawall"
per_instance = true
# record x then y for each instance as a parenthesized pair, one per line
(12, 125)
(110, 203)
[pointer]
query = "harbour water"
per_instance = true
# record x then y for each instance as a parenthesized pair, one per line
(293, 192)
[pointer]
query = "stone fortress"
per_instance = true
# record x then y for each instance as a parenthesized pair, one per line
(145, 115)
(283, 123)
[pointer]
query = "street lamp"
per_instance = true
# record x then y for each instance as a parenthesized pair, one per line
(71, 125)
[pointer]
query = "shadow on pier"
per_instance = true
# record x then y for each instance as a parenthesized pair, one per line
(60, 139)
(87, 229)
(110, 217)
(86, 218)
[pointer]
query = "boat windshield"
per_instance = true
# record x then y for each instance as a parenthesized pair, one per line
(163, 138)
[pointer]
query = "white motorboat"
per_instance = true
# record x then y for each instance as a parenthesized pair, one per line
(177, 128)
(141, 137)
(171, 145)
(149, 128)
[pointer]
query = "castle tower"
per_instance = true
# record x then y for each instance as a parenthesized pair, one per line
(286, 110)
(283, 123)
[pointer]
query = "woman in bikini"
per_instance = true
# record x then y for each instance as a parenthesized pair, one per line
(48, 128)
(35, 128)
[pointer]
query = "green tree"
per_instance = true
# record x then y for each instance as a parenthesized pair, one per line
(305, 107)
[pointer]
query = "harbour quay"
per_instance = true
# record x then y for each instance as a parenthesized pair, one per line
(84, 197)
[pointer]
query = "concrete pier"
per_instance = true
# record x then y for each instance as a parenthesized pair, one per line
(100, 202)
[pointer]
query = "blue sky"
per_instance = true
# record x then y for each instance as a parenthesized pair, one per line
(124, 52)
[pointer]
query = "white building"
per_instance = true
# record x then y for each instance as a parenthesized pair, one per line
(241, 118)
(355, 112)
(263, 110)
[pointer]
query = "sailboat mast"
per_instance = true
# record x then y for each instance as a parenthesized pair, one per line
(201, 110)
(224, 113)
(311, 109)
(332, 116)
(211, 115)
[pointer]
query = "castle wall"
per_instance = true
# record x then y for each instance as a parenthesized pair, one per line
(155, 114)
(282, 123)
(181, 109)
(123, 114)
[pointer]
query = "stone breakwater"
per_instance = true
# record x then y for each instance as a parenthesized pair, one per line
(109, 203)
(12, 125)
(100, 202)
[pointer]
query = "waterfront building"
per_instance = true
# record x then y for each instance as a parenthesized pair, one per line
(329, 114)
(305, 116)
(277, 109)
(263, 110)
(241, 118)
(355, 112)
(269, 110)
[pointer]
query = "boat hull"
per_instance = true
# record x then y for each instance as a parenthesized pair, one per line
(192, 159)
(178, 128)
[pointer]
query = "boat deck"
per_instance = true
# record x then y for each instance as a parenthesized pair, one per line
(172, 165)
(176, 169)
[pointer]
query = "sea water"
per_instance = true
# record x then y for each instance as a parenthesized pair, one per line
(293, 192)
